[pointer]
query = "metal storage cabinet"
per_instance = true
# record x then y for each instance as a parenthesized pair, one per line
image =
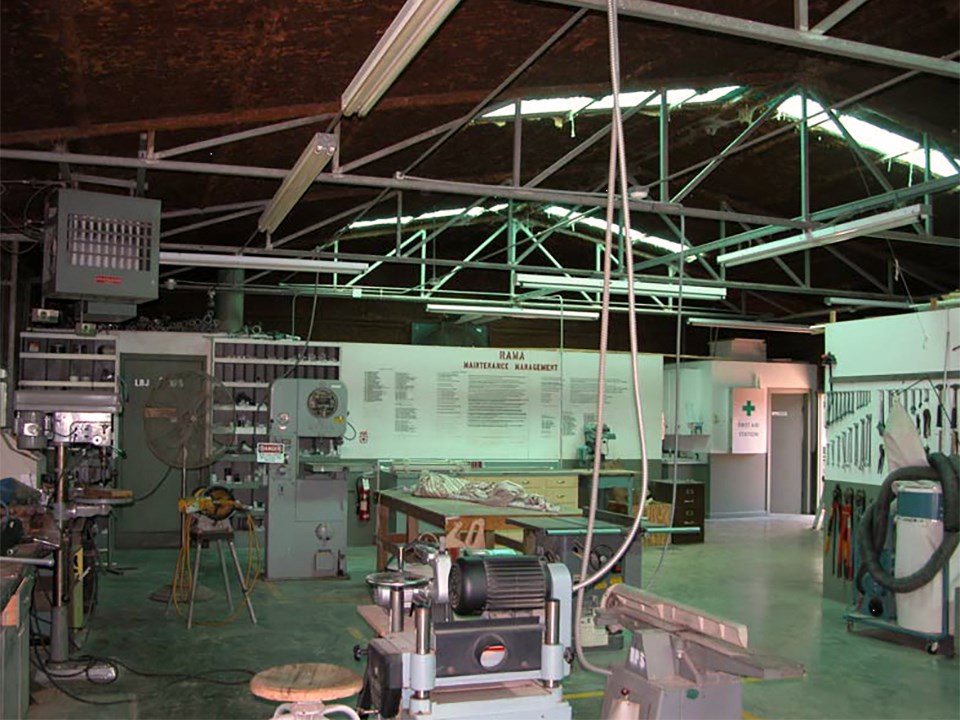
(690, 509)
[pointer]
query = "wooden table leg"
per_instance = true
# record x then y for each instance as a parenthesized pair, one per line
(413, 528)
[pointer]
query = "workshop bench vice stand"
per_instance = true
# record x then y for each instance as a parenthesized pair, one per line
(200, 535)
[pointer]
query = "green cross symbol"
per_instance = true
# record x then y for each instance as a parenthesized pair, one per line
(749, 408)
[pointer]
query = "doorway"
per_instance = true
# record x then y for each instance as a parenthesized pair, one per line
(788, 453)
(154, 520)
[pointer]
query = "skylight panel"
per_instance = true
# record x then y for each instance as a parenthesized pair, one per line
(627, 100)
(358, 224)
(473, 212)
(578, 104)
(636, 236)
(449, 212)
(714, 95)
(679, 96)
(939, 163)
(889, 144)
(543, 106)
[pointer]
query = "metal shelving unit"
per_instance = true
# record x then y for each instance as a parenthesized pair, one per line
(51, 359)
(247, 367)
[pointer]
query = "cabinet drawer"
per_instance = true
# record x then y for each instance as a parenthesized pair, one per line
(562, 496)
(561, 482)
(533, 484)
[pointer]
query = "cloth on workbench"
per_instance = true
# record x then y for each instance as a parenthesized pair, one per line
(497, 494)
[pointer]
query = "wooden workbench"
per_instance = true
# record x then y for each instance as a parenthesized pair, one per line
(442, 514)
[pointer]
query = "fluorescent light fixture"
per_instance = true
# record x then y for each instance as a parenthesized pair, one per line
(861, 302)
(408, 33)
(753, 325)
(619, 287)
(825, 236)
(511, 311)
(312, 160)
(261, 262)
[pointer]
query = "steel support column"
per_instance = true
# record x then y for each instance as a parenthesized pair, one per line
(665, 147)
(801, 15)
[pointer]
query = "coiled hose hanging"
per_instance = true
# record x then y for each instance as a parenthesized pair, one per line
(872, 534)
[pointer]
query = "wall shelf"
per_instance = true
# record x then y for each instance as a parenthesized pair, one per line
(248, 367)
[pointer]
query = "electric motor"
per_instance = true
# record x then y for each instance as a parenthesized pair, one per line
(480, 583)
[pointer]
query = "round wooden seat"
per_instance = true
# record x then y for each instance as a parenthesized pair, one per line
(305, 682)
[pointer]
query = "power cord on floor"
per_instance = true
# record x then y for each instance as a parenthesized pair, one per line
(92, 661)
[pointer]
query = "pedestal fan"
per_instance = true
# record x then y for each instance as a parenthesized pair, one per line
(189, 423)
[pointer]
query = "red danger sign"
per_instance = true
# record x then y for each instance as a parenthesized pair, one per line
(107, 280)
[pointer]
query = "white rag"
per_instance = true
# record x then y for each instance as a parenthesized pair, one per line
(502, 493)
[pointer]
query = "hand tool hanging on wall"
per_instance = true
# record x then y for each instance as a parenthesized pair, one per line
(867, 443)
(856, 446)
(844, 569)
(859, 506)
(881, 425)
(881, 456)
(954, 438)
(914, 408)
(832, 526)
(941, 405)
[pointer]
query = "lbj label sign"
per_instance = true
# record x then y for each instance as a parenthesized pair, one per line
(749, 422)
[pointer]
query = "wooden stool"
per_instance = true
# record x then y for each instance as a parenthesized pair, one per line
(303, 687)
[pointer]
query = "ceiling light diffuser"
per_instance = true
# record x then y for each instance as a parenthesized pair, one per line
(312, 160)
(261, 262)
(511, 311)
(408, 33)
(825, 236)
(620, 287)
(863, 302)
(753, 325)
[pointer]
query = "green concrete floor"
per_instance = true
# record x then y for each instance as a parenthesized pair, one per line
(763, 572)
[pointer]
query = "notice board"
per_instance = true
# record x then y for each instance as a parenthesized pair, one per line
(492, 404)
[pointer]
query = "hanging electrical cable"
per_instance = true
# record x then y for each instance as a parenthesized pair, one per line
(675, 465)
(617, 158)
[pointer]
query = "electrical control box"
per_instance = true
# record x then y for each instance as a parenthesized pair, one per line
(308, 408)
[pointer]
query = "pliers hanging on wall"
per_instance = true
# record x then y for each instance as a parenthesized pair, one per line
(832, 528)
(844, 550)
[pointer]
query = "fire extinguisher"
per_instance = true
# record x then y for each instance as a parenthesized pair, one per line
(363, 498)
